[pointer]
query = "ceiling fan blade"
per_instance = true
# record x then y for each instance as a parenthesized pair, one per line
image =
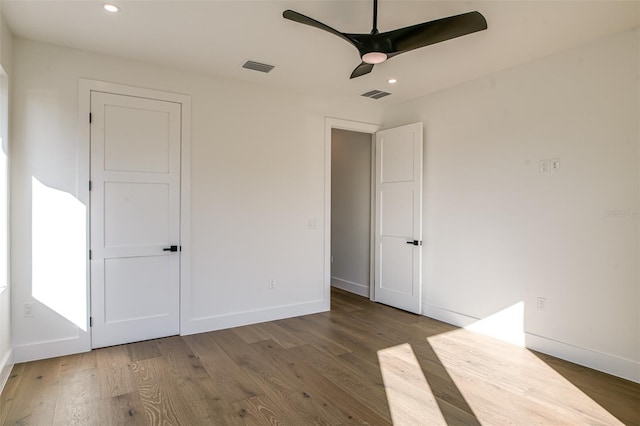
(302, 19)
(361, 70)
(427, 33)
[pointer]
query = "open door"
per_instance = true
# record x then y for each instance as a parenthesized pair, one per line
(398, 218)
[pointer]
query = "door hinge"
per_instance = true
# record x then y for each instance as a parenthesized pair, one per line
(90, 321)
(90, 118)
(90, 254)
(90, 186)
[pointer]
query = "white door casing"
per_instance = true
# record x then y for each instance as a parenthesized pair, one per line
(398, 217)
(135, 215)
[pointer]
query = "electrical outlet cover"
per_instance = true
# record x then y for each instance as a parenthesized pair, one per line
(544, 166)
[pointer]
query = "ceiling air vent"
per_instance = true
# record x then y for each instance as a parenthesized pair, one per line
(375, 94)
(257, 66)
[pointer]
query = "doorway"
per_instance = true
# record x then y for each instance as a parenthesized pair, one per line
(360, 131)
(395, 214)
(351, 197)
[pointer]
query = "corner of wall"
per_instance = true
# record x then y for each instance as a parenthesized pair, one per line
(6, 346)
(6, 365)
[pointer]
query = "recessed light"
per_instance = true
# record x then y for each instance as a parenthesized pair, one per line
(392, 81)
(111, 7)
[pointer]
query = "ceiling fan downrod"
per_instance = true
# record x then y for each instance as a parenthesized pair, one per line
(374, 30)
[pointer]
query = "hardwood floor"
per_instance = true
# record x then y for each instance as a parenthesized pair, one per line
(361, 363)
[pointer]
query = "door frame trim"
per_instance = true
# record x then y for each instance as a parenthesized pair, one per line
(86, 86)
(354, 126)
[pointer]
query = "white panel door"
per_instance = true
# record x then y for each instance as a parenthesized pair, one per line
(135, 218)
(398, 223)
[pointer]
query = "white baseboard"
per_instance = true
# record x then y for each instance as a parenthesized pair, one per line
(350, 286)
(6, 365)
(607, 363)
(238, 319)
(445, 315)
(50, 349)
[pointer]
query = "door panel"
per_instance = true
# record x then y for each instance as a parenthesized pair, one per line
(136, 140)
(127, 218)
(126, 287)
(397, 206)
(396, 269)
(135, 215)
(399, 217)
(396, 157)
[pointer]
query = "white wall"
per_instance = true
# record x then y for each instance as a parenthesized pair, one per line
(499, 234)
(6, 348)
(257, 178)
(350, 210)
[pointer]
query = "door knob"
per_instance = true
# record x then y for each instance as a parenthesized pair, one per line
(415, 242)
(172, 248)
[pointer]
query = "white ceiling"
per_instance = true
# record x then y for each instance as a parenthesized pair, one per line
(217, 37)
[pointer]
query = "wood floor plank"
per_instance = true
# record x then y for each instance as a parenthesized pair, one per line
(233, 383)
(180, 358)
(269, 377)
(35, 401)
(162, 402)
(367, 392)
(282, 387)
(250, 333)
(316, 408)
(77, 362)
(143, 350)
(260, 410)
(305, 331)
(343, 305)
(268, 331)
(207, 402)
(273, 331)
(384, 310)
(114, 375)
(10, 389)
(124, 409)
(78, 398)
(364, 343)
(333, 398)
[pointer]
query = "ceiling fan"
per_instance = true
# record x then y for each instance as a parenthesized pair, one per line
(377, 47)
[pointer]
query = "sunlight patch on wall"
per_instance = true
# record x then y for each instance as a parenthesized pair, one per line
(59, 252)
(411, 401)
(507, 325)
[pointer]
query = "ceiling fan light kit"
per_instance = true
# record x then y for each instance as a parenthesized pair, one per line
(374, 57)
(377, 47)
